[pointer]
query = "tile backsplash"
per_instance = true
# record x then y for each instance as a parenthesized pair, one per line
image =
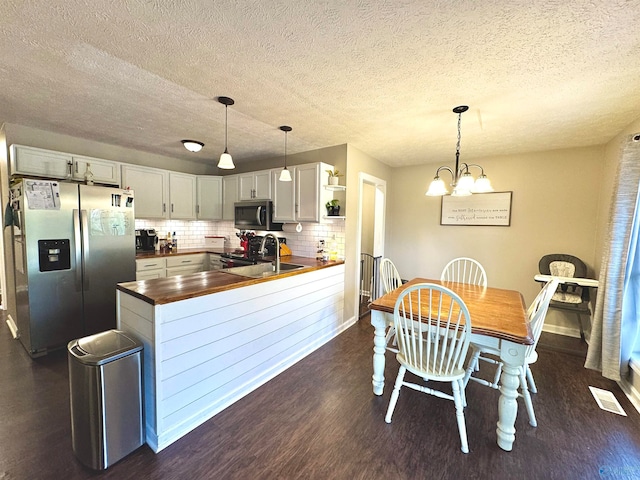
(191, 234)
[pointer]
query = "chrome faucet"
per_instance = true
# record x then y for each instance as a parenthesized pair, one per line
(262, 249)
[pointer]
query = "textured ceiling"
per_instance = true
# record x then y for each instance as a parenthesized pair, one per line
(380, 75)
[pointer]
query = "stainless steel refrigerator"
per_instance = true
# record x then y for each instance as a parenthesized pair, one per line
(72, 244)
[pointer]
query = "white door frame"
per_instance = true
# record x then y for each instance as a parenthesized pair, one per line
(379, 222)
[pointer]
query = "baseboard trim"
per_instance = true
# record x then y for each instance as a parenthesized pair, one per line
(627, 387)
(566, 331)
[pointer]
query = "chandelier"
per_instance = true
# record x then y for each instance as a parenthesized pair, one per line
(462, 182)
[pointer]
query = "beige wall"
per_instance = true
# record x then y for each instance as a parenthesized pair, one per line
(335, 156)
(554, 210)
(357, 162)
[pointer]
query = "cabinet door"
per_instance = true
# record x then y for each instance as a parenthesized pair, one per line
(187, 270)
(307, 178)
(40, 162)
(230, 196)
(149, 187)
(262, 184)
(182, 194)
(150, 274)
(104, 171)
(255, 185)
(209, 198)
(283, 197)
(246, 186)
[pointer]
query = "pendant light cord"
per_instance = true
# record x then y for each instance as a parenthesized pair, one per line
(226, 126)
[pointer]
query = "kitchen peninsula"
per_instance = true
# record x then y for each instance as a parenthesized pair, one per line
(211, 338)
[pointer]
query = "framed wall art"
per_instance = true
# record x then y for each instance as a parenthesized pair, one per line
(486, 209)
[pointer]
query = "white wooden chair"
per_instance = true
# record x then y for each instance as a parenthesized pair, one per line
(536, 314)
(464, 270)
(390, 279)
(389, 276)
(433, 327)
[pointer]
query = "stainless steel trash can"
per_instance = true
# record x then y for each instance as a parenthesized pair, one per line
(105, 380)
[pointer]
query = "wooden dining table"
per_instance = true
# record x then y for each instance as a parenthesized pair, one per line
(498, 320)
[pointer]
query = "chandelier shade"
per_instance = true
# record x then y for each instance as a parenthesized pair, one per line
(462, 181)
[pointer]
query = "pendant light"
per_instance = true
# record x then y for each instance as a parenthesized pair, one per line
(226, 162)
(285, 175)
(192, 145)
(463, 182)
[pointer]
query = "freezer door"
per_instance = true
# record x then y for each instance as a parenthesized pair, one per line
(48, 281)
(108, 246)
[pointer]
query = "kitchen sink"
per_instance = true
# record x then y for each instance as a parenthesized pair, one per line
(289, 266)
(261, 270)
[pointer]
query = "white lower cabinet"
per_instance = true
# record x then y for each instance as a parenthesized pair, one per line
(150, 268)
(214, 262)
(185, 264)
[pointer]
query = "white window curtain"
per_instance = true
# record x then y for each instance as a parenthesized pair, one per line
(615, 322)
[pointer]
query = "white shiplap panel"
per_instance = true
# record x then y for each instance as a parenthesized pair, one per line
(245, 381)
(260, 295)
(228, 321)
(189, 373)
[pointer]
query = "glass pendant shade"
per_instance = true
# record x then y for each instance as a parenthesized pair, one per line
(437, 188)
(482, 185)
(226, 162)
(285, 175)
(465, 182)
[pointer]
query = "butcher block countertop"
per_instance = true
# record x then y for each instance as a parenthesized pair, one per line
(161, 291)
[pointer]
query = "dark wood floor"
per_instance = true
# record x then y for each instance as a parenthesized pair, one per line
(320, 420)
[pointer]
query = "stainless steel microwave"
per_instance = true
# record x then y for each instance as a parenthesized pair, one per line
(255, 215)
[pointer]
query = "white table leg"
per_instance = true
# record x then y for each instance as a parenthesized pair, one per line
(512, 355)
(379, 322)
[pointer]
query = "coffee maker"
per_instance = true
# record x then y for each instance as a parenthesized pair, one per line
(146, 240)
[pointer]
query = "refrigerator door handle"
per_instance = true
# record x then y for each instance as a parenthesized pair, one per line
(85, 248)
(78, 251)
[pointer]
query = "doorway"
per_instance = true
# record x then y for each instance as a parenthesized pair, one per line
(371, 217)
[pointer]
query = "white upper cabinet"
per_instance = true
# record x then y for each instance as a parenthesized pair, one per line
(300, 200)
(40, 162)
(230, 196)
(209, 198)
(47, 163)
(104, 171)
(308, 184)
(284, 201)
(255, 185)
(149, 187)
(182, 196)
